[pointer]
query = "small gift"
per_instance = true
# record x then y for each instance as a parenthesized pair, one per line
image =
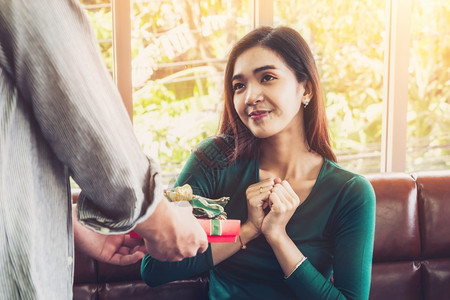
(209, 212)
(220, 230)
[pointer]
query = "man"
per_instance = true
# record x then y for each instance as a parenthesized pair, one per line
(61, 116)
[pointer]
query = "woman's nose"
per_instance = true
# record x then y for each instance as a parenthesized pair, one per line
(253, 96)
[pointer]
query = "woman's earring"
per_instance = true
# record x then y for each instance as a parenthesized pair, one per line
(305, 104)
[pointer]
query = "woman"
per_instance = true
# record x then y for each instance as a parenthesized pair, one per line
(303, 216)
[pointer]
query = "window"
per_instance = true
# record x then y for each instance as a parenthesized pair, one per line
(428, 118)
(100, 15)
(179, 51)
(347, 39)
(384, 66)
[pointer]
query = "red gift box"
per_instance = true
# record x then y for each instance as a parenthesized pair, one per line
(221, 231)
(134, 235)
(217, 231)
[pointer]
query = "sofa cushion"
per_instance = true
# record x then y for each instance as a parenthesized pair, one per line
(396, 280)
(397, 235)
(434, 204)
(191, 289)
(436, 278)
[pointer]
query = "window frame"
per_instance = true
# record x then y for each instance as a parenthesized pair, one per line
(121, 19)
(395, 85)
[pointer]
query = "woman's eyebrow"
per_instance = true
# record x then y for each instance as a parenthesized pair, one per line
(237, 76)
(263, 68)
(255, 71)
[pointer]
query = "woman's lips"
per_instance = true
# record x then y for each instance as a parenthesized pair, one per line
(259, 114)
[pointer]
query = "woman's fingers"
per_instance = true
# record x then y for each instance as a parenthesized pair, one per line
(275, 202)
(260, 194)
(279, 203)
(286, 194)
(260, 190)
(289, 190)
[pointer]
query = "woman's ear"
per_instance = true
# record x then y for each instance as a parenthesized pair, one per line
(308, 94)
(308, 90)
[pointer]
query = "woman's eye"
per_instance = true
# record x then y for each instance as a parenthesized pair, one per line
(267, 77)
(237, 86)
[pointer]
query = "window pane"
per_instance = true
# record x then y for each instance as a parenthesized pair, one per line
(179, 51)
(347, 39)
(428, 139)
(99, 13)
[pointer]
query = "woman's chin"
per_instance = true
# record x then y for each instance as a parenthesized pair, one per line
(262, 135)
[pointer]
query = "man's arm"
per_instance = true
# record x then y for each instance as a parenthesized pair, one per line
(58, 71)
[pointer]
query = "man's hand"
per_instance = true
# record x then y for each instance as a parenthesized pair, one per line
(114, 249)
(172, 233)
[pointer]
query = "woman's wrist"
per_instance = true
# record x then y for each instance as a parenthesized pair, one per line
(248, 232)
(275, 238)
(222, 251)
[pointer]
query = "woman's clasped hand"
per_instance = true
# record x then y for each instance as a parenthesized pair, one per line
(271, 204)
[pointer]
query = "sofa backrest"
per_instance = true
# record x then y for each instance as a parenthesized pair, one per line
(412, 236)
(411, 250)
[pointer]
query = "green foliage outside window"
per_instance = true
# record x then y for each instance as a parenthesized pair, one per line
(179, 51)
(347, 39)
(429, 87)
(99, 13)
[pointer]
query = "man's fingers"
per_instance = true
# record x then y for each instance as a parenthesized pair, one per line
(203, 248)
(120, 259)
(132, 242)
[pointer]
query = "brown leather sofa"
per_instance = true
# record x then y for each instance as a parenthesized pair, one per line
(412, 236)
(411, 251)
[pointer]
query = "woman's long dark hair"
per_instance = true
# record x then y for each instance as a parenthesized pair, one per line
(289, 45)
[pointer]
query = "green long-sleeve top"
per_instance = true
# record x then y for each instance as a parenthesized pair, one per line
(333, 228)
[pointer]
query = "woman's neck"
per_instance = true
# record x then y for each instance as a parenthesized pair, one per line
(289, 158)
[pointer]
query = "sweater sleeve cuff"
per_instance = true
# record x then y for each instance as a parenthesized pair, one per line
(299, 274)
(90, 216)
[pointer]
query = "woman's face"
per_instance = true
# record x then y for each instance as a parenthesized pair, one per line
(267, 95)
